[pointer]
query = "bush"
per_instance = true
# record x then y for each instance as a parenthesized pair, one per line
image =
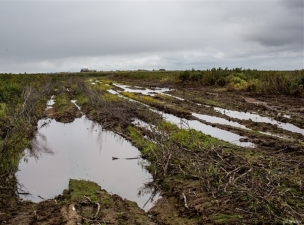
(236, 83)
(184, 76)
(196, 76)
(221, 82)
(9, 91)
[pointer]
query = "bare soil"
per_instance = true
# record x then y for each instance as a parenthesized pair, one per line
(83, 203)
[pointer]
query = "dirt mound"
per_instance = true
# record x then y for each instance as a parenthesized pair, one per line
(83, 203)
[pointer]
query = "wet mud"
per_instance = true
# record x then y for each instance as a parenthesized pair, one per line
(273, 123)
(203, 185)
(83, 202)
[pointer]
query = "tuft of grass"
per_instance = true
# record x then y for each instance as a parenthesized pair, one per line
(77, 189)
(142, 98)
(110, 97)
(145, 145)
(2, 110)
(62, 100)
(82, 99)
(221, 218)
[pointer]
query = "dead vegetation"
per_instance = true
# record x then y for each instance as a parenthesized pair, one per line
(17, 128)
(202, 180)
(211, 182)
(237, 183)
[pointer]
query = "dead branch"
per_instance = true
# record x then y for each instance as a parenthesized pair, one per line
(185, 201)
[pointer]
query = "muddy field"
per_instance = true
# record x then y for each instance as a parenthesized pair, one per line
(216, 156)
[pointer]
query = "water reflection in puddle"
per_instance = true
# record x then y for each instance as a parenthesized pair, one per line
(206, 129)
(214, 119)
(147, 91)
(259, 119)
(82, 150)
(275, 135)
(142, 124)
(144, 91)
(50, 102)
(113, 92)
(194, 124)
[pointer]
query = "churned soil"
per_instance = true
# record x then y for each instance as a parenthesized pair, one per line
(86, 203)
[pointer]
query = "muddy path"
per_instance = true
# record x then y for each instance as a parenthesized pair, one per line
(202, 179)
(273, 123)
(265, 118)
(83, 202)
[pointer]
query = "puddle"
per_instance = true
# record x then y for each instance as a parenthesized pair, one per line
(144, 91)
(214, 119)
(274, 135)
(285, 115)
(181, 99)
(113, 92)
(50, 103)
(194, 124)
(206, 129)
(199, 104)
(142, 124)
(259, 119)
(183, 123)
(121, 96)
(147, 91)
(81, 150)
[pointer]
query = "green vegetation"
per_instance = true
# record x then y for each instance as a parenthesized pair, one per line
(226, 173)
(203, 178)
(159, 104)
(268, 82)
(94, 204)
(22, 100)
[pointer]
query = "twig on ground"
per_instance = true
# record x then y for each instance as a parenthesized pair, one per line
(185, 200)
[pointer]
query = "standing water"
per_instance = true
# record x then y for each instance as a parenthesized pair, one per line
(81, 150)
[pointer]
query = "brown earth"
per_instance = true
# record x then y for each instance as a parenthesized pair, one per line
(83, 203)
(186, 203)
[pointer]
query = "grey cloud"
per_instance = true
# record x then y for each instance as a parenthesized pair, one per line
(282, 28)
(291, 38)
(293, 4)
(61, 30)
(52, 35)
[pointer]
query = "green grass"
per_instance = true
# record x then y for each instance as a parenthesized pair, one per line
(142, 98)
(81, 99)
(79, 188)
(221, 218)
(2, 110)
(145, 145)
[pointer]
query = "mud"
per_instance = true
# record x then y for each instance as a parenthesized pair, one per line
(280, 132)
(275, 161)
(206, 104)
(83, 202)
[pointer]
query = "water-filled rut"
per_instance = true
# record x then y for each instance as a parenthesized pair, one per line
(81, 150)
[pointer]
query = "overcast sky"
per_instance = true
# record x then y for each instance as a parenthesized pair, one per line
(50, 36)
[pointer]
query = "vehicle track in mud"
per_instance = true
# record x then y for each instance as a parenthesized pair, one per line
(186, 198)
(273, 142)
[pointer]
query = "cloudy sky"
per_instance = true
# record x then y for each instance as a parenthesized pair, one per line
(51, 36)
